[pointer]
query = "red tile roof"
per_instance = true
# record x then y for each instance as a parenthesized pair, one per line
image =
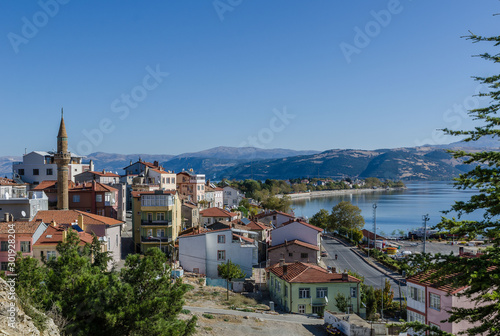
(202, 232)
(274, 212)
(51, 184)
(295, 242)
(93, 186)
(161, 171)
(424, 279)
(71, 216)
(256, 226)
(250, 240)
(370, 234)
(8, 182)
(217, 212)
(308, 273)
(20, 227)
(303, 223)
(106, 174)
(55, 234)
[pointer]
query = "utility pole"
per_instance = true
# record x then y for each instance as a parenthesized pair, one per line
(382, 296)
(425, 218)
(375, 225)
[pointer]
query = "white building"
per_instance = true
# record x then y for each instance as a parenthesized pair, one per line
(300, 230)
(274, 218)
(39, 166)
(232, 197)
(202, 253)
(15, 201)
(212, 215)
(165, 179)
(103, 177)
(214, 197)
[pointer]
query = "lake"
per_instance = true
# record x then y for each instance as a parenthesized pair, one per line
(396, 210)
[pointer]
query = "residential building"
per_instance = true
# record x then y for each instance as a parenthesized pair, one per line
(49, 187)
(212, 215)
(293, 251)
(139, 167)
(299, 230)
(94, 197)
(309, 289)
(26, 234)
(274, 218)
(165, 179)
(107, 229)
(429, 301)
(103, 177)
(232, 197)
(45, 247)
(18, 203)
(203, 252)
(191, 215)
(38, 166)
(156, 219)
(191, 186)
(214, 196)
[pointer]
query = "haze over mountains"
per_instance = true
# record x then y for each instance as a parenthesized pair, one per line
(415, 163)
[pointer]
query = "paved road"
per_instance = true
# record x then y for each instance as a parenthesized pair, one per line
(348, 260)
(291, 318)
(431, 247)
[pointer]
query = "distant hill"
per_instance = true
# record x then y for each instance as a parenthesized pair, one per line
(245, 153)
(116, 162)
(6, 165)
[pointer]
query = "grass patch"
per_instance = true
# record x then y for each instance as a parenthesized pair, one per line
(208, 328)
(215, 293)
(185, 311)
(241, 301)
(248, 310)
(188, 287)
(208, 316)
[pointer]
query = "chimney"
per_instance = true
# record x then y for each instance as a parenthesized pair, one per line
(53, 223)
(6, 216)
(80, 222)
(65, 234)
(282, 262)
(103, 171)
(155, 163)
(11, 217)
(285, 270)
(345, 277)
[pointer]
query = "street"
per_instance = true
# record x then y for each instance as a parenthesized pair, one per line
(348, 260)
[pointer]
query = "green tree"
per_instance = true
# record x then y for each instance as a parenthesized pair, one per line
(283, 204)
(346, 215)
(230, 271)
(320, 219)
(480, 276)
(370, 302)
(342, 302)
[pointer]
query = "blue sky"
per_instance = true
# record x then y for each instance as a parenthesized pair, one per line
(265, 73)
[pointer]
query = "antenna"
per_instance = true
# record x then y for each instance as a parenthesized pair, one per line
(375, 224)
(23, 214)
(425, 218)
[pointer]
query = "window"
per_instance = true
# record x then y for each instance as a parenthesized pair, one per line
(107, 197)
(160, 233)
(304, 255)
(76, 198)
(5, 266)
(25, 246)
(36, 172)
(354, 292)
(286, 291)
(100, 212)
(304, 293)
(116, 240)
(302, 309)
(49, 171)
(417, 294)
(150, 216)
(290, 254)
(321, 292)
(221, 255)
(221, 239)
(98, 198)
(160, 216)
(173, 179)
(20, 172)
(412, 316)
(5, 246)
(51, 254)
(149, 232)
(434, 301)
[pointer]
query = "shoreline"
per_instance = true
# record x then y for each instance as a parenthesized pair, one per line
(326, 193)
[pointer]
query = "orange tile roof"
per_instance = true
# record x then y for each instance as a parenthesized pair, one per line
(161, 171)
(8, 182)
(48, 184)
(303, 223)
(256, 226)
(424, 279)
(217, 212)
(295, 242)
(308, 273)
(54, 235)
(71, 216)
(94, 186)
(20, 226)
(274, 212)
(106, 174)
(202, 232)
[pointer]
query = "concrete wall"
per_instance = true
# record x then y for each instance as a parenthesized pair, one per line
(411, 303)
(192, 253)
(293, 231)
(275, 255)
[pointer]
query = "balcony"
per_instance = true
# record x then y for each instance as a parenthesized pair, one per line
(157, 240)
(156, 222)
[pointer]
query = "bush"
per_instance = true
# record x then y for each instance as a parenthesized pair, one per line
(208, 316)
(185, 311)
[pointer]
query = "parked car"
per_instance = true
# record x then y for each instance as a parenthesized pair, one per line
(324, 254)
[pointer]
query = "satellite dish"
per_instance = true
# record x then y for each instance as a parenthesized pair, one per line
(23, 214)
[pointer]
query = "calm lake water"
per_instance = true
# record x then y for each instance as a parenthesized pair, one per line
(396, 210)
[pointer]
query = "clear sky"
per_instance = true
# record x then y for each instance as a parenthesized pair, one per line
(182, 76)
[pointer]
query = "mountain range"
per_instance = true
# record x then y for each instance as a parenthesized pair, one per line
(412, 163)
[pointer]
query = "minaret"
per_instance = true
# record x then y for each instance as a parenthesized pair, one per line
(62, 158)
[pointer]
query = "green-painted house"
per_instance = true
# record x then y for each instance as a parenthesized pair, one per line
(310, 289)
